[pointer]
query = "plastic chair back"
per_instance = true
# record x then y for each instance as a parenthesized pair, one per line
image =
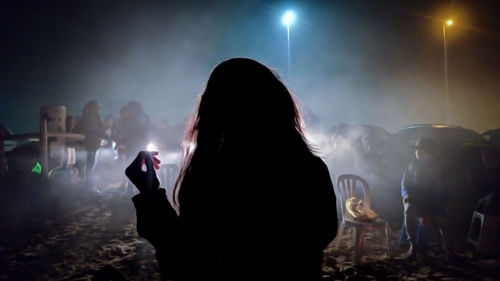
(347, 184)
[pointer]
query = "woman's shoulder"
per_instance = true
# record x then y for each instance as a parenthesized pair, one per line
(313, 163)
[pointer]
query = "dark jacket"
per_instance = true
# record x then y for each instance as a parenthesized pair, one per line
(244, 218)
(93, 130)
(133, 132)
(424, 181)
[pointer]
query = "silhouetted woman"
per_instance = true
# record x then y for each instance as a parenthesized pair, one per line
(253, 202)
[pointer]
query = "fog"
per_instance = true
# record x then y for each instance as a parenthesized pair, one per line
(355, 62)
(352, 64)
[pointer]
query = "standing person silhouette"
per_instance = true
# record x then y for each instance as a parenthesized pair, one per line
(91, 126)
(252, 202)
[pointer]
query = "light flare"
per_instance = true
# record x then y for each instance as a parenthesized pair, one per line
(288, 18)
(151, 147)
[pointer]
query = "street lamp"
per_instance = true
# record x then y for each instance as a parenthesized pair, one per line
(288, 19)
(447, 23)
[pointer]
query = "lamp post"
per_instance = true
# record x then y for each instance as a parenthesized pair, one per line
(288, 19)
(446, 24)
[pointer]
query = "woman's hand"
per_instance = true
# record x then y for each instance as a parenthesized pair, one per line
(141, 172)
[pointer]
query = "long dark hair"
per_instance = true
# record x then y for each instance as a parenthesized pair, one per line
(244, 104)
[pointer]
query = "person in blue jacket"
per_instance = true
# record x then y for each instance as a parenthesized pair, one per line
(423, 194)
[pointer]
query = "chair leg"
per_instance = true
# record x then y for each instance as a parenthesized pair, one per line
(388, 234)
(359, 234)
(340, 232)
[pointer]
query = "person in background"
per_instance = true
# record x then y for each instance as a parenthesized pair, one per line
(163, 135)
(119, 132)
(91, 126)
(134, 131)
(243, 208)
(71, 146)
(490, 204)
(424, 197)
(109, 131)
(70, 123)
(135, 127)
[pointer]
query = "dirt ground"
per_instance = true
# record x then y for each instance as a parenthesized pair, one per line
(71, 235)
(376, 264)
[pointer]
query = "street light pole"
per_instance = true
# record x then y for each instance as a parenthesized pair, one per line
(288, 44)
(446, 89)
(288, 19)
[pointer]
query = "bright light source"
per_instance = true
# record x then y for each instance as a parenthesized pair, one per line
(151, 147)
(449, 22)
(288, 18)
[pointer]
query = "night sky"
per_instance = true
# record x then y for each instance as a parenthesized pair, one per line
(376, 62)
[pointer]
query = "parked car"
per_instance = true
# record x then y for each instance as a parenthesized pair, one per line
(493, 136)
(460, 150)
(443, 135)
(459, 147)
(374, 154)
(368, 141)
(8, 145)
(22, 160)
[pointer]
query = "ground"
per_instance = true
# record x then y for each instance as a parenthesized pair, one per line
(376, 265)
(68, 233)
